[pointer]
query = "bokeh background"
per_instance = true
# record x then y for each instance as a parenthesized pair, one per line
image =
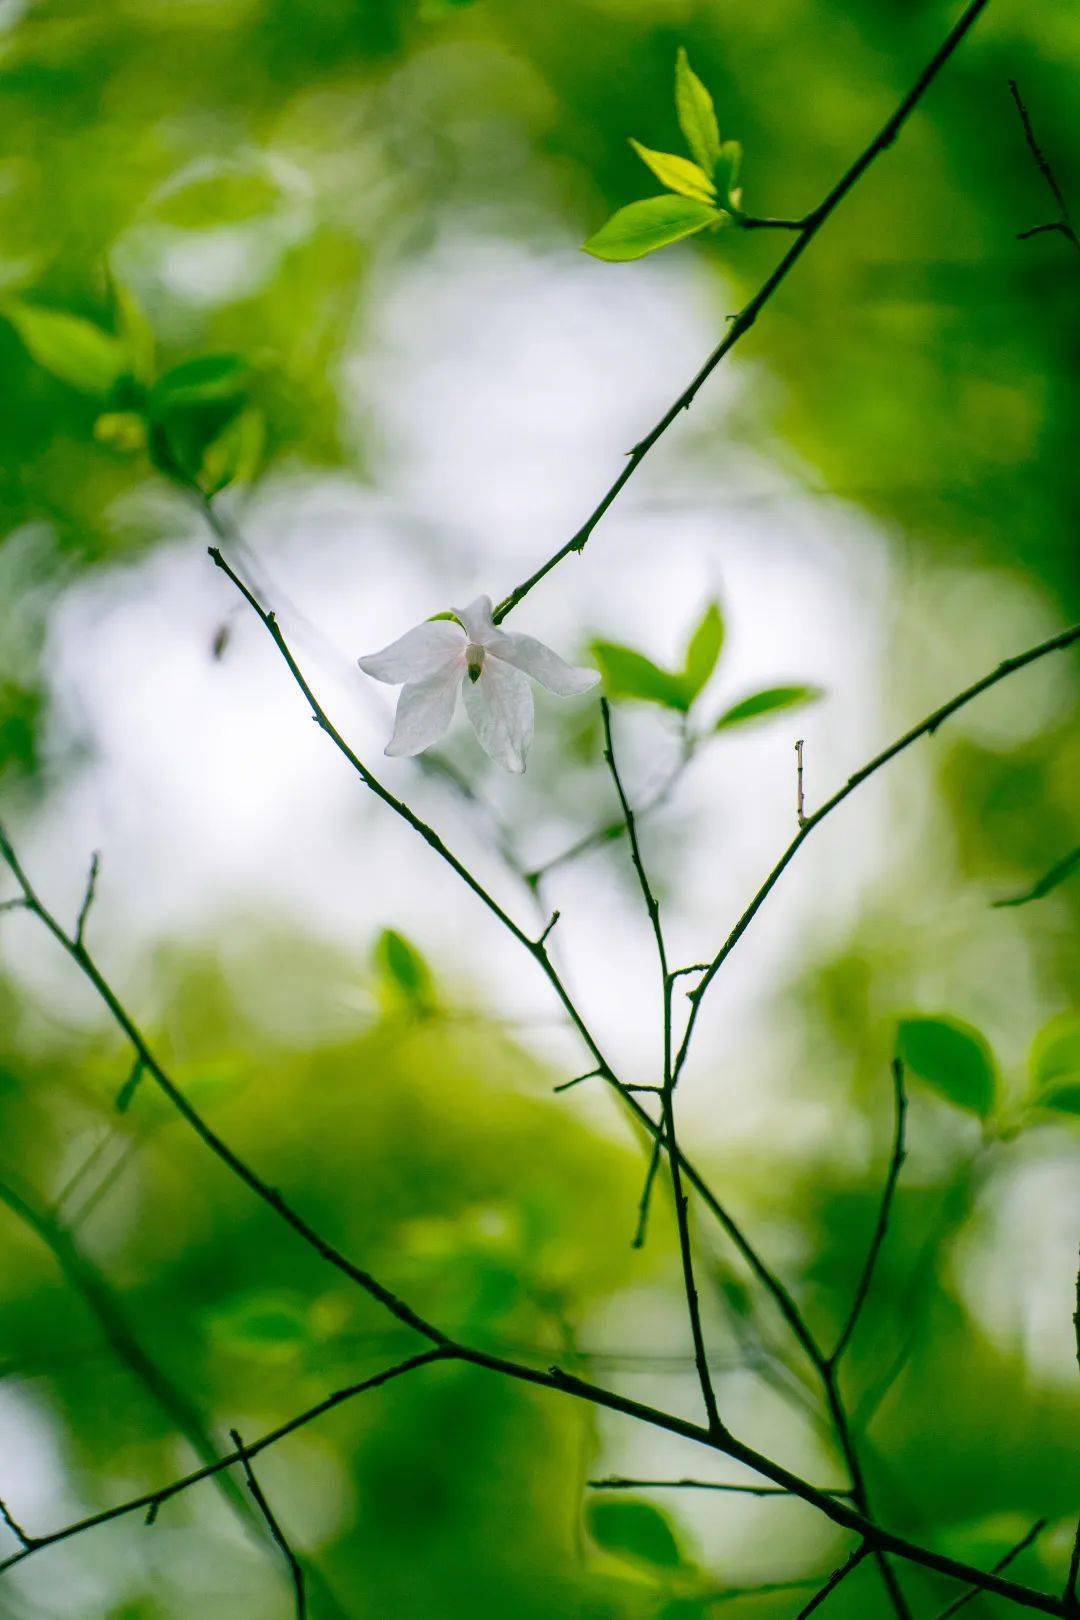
(380, 206)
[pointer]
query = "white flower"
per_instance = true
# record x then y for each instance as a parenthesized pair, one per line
(437, 660)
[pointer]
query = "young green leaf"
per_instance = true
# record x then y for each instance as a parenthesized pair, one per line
(629, 674)
(632, 1528)
(207, 379)
(1055, 1064)
(696, 114)
(235, 454)
(770, 700)
(1049, 881)
(136, 332)
(677, 173)
(269, 1326)
(404, 971)
(70, 348)
(642, 227)
(727, 172)
(953, 1058)
(704, 650)
(190, 407)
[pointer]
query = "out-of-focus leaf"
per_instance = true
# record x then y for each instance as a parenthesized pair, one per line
(235, 455)
(124, 431)
(642, 227)
(677, 173)
(1055, 1065)
(1049, 881)
(191, 406)
(404, 970)
(704, 649)
(770, 700)
(272, 1326)
(632, 1528)
(952, 1057)
(696, 114)
(629, 674)
(207, 379)
(727, 172)
(227, 195)
(69, 347)
(136, 331)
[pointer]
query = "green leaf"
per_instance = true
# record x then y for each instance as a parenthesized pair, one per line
(271, 1325)
(704, 650)
(136, 331)
(234, 456)
(190, 408)
(953, 1058)
(73, 349)
(642, 227)
(208, 379)
(632, 1528)
(1055, 1064)
(1048, 882)
(696, 114)
(770, 700)
(677, 173)
(727, 172)
(629, 674)
(404, 970)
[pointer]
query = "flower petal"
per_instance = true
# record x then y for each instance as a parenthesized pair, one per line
(425, 710)
(417, 654)
(545, 666)
(500, 706)
(477, 620)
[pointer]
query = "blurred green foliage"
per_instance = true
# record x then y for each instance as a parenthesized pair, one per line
(919, 366)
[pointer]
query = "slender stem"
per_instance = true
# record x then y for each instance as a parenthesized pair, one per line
(925, 728)
(84, 1277)
(619, 1482)
(644, 1202)
(896, 1160)
(667, 1098)
(88, 899)
(841, 1573)
(1072, 1580)
(1063, 224)
(742, 323)
(555, 1379)
(1003, 1563)
(239, 1167)
(293, 1565)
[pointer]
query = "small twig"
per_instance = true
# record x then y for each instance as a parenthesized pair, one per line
(1003, 1563)
(130, 1086)
(695, 967)
(641, 1230)
(749, 222)
(800, 801)
(295, 1570)
(567, 1085)
(88, 899)
(1047, 883)
(1063, 225)
(27, 1542)
(552, 920)
(619, 1482)
(1069, 1595)
(882, 1226)
(152, 1512)
(839, 1574)
(18, 904)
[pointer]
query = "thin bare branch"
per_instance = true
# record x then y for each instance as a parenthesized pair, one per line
(742, 323)
(1003, 1563)
(87, 899)
(839, 1574)
(619, 1482)
(296, 1573)
(1063, 224)
(881, 1227)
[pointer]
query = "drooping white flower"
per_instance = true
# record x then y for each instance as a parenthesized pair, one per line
(439, 659)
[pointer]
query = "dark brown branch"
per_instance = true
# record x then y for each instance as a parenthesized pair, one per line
(749, 314)
(925, 728)
(896, 1161)
(296, 1573)
(839, 1574)
(239, 1167)
(1003, 1563)
(1063, 225)
(667, 1097)
(88, 899)
(619, 1482)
